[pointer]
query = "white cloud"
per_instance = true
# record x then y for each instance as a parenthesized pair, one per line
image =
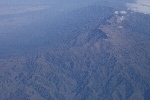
(116, 12)
(120, 27)
(142, 6)
(120, 19)
(123, 12)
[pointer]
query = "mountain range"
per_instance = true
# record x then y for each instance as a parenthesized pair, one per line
(94, 51)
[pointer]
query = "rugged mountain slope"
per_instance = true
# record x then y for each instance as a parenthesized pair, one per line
(107, 61)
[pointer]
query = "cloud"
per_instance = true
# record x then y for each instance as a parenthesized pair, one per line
(123, 12)
(120, 19)
(20, 9)
(142, 6)
(14, 17)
